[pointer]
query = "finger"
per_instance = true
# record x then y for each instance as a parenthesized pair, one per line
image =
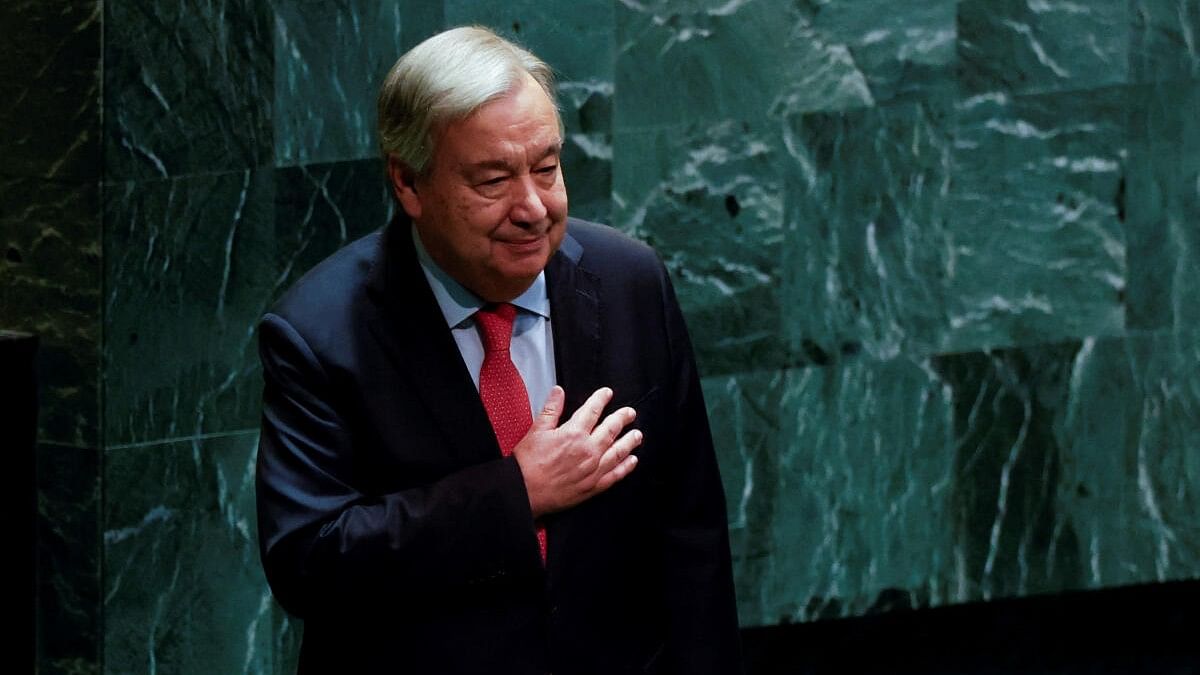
(589, 413)
(606, 432)
(619, 451)
(618, 472)
(551, 410)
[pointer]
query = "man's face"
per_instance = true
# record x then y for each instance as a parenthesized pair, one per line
(492, 208)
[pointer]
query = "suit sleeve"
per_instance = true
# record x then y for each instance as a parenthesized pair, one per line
(325, 545)
(703, 633)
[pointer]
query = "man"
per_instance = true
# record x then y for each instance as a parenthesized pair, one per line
(447, 476)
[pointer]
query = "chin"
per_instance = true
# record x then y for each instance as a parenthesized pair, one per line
(525, 272)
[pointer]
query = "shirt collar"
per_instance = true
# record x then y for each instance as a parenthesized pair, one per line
(458, 304)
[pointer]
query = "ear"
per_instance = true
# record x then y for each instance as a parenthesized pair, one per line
(404, 186)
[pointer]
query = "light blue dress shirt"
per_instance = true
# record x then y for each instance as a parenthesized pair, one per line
(532, 347)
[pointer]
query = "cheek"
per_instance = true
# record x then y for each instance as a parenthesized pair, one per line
(473, 219)
(475, 225)
(556, 202)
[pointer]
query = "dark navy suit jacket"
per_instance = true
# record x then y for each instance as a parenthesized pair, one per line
(390, 523)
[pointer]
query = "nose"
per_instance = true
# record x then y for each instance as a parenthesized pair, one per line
(527, 205)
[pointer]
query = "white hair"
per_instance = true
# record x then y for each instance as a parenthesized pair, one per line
(446, 78)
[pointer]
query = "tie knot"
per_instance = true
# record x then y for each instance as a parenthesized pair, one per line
(495, 326)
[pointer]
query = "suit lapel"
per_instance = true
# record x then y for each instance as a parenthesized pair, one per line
(411, 329)
(430, 360)
(575, 315)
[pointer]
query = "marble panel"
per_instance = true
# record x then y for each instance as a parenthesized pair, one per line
(68, 619)
(587, 171)
(744, 415)
(685, 61)
(576, 39)
(1166, 40)
(586, 109)
(871, 486)
(1013, 535)
(422, 18)
(191, 268)
(1024, 46)
(707, 197)
(50, 276)
(930, 227)
(195, 263)
(838, 479)
(50, 89)
(904, 50)
(1163, 206)
(187, 88)
(1129, 475)
(822, 75)
(1037, 240)
(18, 419)
(330, 59)
(183, 588)
(867, 249)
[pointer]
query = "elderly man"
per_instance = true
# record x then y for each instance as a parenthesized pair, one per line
(484, 447)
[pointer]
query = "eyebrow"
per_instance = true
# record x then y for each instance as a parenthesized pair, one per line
(502, 165)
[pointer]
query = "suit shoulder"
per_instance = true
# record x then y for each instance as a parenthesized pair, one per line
(606, 250)
(329, 291)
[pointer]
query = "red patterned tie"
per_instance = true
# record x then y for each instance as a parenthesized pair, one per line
(501, 387)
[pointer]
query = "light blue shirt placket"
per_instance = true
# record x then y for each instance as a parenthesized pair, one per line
(532, 347)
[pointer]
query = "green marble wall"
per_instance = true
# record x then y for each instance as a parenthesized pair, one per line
(939, 258)
(938, 263)
(50, 284)
(239, 153)
(902, 233)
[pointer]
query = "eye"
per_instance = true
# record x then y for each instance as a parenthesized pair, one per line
(491, 187)
(544, 170)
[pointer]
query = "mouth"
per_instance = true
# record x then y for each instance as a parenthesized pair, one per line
(524, 245)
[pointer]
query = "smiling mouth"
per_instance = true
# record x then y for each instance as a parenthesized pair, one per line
(522, 245)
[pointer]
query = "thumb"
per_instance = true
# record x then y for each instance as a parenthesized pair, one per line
(551, 410)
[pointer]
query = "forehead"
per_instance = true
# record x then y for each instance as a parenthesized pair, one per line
(520, 122)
